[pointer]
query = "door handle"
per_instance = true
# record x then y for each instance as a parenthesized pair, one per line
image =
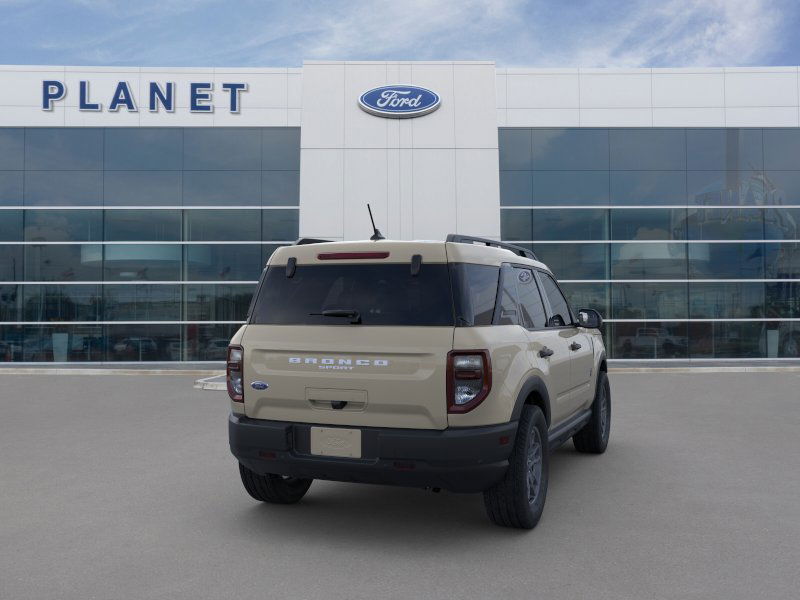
(545, 352)
(574, 346)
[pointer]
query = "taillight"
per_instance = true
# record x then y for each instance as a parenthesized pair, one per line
(469, 379)
(234, 374)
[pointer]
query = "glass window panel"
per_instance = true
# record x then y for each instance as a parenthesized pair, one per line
(222, 148)
(516, 225)
(649, 224)
(222, 225)
(142, 225)
(574, 261)
(64, 188)
(782, 261)
(782, 299)
(648, 187)
(11, 339)
(587, 295)
(142, 302)
(726, 300)
(648, 149)
(143, 148)
(68, 262)
(580, 224)
(516, 188)
(280, 147)
(266, 252)
(559, 308)
(210, 302)
(12, 148)
(650, 339)
(724, 149)
(11, 263)
(555, 188)
(648, 261)
(782, 148)
(10, 226)
(143, 342)
(507, 298)
(783, 341)
(515, 149)
(726, 224)
(11, 189)
(221, 188)
(142, 188)
(280, 225)
(63, 343)
(10, 308)
(637, 300)
(63, 225)
(63, 148)
(234, 262)
(781, 223)
(531, 305)
(153, 262)
(208, 342)
(280, 188)
(727, 340)
(730, 188)
(726, 261)
(474, 293)
(62, 303)
(783, 187)
(570, 149)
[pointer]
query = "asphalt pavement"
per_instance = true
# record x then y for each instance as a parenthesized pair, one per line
(115, 486)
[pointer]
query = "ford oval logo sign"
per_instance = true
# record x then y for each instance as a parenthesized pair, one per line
(399, 101)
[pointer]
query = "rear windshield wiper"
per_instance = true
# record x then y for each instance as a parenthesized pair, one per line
(353, 315)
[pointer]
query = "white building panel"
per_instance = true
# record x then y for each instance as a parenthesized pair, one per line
(689, 90)
(615, 90)
(760, 89)
(542, 90)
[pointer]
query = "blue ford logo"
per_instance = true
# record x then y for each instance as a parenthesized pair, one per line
(399, 101)
(259, 385)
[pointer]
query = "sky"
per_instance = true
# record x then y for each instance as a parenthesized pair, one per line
(581, 33)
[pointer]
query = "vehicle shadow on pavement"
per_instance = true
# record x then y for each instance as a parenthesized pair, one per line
(367, 514)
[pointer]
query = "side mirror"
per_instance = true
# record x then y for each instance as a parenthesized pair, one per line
(589, 318)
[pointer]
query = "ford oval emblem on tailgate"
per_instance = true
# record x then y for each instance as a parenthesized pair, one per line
(259, 385)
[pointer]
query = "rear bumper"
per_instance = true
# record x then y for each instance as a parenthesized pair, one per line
(460, 460)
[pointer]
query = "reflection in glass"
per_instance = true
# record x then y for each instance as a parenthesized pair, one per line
(558, 224)
(727, 340)
(557, 188)
(63, 148)
(222, 225)
(650, 339)
(221, 148)
(783, 299)
(726, 224)
(12, 148)
(143, 148)
(280, 148)
(782, 148)
(62, 343)
(280, 188)
(63, 225)
(10, 305)
(648, 187)
(782, 260)
(638, 300)
(11, 188)
(648, 149)
(68, 262)
(62, 303)
(724, 149)
(218, 302)
(142, 188)
(515, 149)
(516, 225)
(142, 302)
(63, 188)
(587, 295)
(11, 226)
(233, 262)
(726, 300)
(11, 263)
(516, 188)
(280, 224)
(648, 261)
(570, 149)
(783, 340)
(208, 342)
(726, 261)
(731, 188)
(142, 225)
(648, 224)
(143, 342)
(574, 261)
(221, 188)
(146, 262)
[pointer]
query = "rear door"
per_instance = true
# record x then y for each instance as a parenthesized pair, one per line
(384, 365)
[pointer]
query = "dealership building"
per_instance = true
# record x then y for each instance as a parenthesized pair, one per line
(139, 205)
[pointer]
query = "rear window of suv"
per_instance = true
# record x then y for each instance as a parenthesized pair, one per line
(382, 294)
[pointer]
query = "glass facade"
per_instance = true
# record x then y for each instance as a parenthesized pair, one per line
(138, 244)
(685, 240)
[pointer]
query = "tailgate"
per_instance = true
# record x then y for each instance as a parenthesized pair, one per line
(359, 375)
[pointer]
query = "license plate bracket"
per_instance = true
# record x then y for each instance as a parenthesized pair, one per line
(336, 441)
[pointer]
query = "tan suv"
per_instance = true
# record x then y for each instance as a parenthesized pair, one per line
(456, 365)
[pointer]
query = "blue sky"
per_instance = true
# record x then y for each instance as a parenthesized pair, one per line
(586, 33)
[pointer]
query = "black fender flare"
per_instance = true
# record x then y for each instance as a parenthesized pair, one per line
(532, 384)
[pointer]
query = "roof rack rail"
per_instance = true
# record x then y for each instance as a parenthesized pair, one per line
(304, 241)
(468, 239)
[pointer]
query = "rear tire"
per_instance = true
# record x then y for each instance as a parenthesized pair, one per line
(275, 489)
(593, 438)
(518, 500)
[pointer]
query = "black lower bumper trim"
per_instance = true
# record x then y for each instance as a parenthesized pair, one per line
(467, 459)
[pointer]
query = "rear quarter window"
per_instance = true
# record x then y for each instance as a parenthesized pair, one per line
(474, 293)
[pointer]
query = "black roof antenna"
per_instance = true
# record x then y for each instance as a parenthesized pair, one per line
(377, 235)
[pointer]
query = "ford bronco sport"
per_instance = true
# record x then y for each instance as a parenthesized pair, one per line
(456, 365)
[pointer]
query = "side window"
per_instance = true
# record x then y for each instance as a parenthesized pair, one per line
(558, 303)
(530, 301)
(507, 300)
